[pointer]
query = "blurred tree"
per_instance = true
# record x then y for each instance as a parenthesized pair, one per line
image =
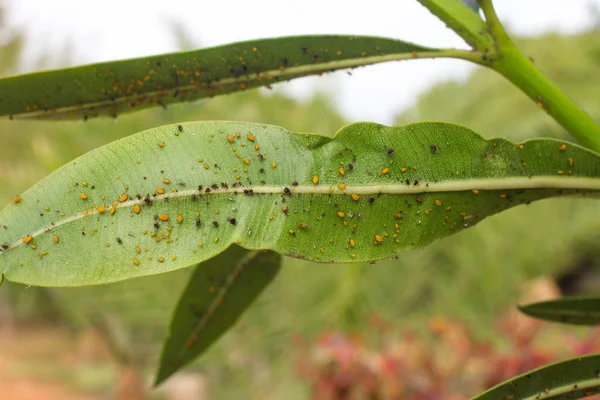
(11, 44)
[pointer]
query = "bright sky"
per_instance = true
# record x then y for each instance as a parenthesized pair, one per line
(116, 29)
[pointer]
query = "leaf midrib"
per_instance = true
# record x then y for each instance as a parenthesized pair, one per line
(566, 389)
(217, 299)
(272, 73)
(539, 182)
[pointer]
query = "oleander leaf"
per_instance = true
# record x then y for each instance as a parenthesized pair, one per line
(112, 88)
(568, 310)
(178, 195)
(565, 380)
(218, 292)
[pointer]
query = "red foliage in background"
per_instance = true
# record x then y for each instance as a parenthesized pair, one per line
(450, 364)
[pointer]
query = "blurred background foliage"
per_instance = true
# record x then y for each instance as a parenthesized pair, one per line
(472, 277)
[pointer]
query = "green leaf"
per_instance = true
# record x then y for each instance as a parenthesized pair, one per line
(217, 294)
(566, 380)
(178, 195)
(463, 20)
(573, 310)
(112, 88)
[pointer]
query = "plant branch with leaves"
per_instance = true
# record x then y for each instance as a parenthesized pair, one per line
(231, 197)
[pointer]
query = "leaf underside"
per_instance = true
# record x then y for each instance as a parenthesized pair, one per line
(217, 294)
(566, 380)
(178, 195)
(112, 88)
(576, 310)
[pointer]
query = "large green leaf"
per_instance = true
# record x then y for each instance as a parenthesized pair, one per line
(215, 297)
(574, 310)
(109, 89)
(566, 380)
(178, 195)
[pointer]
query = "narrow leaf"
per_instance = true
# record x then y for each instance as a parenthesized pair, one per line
(112, 88)
(178, 195)
(574, 310)
(462, 17)
(217, 294)
(571, 379)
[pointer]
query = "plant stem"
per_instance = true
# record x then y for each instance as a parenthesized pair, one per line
(463, 21)
(522, 73)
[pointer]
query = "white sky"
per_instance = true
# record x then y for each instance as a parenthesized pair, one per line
(116, 29)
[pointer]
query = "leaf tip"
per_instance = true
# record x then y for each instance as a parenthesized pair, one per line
(524, 308)
(161, 376)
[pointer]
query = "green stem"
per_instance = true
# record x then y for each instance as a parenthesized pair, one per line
(522, 73)
(463, 21)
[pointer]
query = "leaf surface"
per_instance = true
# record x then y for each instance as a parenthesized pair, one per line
(112, 88)
(565, 380)
(217, 294)
(178, 195)
(575, 310)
